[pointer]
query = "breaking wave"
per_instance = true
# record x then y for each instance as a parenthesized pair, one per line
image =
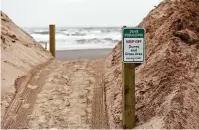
(79, 38)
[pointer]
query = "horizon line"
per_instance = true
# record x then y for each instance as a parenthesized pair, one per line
(74, 26)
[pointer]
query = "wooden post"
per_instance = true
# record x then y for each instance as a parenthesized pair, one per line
(52, 39)
(128, 94)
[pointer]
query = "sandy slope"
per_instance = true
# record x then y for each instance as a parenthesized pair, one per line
(19, 54)
(59, 95)
(39, 92)
(167, 84)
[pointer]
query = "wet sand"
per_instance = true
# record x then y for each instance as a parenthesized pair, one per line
(82, 54)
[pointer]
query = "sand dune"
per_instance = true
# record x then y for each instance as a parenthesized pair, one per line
(19, 54)
(167, 84)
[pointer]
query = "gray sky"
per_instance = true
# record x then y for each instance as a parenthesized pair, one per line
(81, 13)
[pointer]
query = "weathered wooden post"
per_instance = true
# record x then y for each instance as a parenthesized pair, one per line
(128, 95)
(133, 52)
(52, 39)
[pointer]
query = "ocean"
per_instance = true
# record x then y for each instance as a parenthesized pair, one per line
(78, 38)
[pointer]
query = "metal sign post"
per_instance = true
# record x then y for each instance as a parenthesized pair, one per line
(133, 45)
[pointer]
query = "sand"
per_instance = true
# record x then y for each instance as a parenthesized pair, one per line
(19, 54)
(62, 95)
(41, 92)
(82, 54)
(167, 84)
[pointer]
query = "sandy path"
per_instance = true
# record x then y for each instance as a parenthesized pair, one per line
(60, 95)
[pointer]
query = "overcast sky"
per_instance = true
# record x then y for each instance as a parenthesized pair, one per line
(77, 13)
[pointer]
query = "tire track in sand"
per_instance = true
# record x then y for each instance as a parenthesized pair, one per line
(64, 94)
(99, 116)
(66, 99)
(21, 106)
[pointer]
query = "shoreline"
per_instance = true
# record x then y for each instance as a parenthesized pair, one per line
(83, 54)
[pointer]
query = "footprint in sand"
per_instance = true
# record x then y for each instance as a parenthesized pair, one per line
(32, 86)
(14, 117)
(31, 117)
(37, 77)
(49, 79)
(26, 105)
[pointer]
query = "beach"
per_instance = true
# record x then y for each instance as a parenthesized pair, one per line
(82, 54)
(41, 91)
(83, 86)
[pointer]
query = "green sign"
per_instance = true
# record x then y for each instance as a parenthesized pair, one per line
(133, 44)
